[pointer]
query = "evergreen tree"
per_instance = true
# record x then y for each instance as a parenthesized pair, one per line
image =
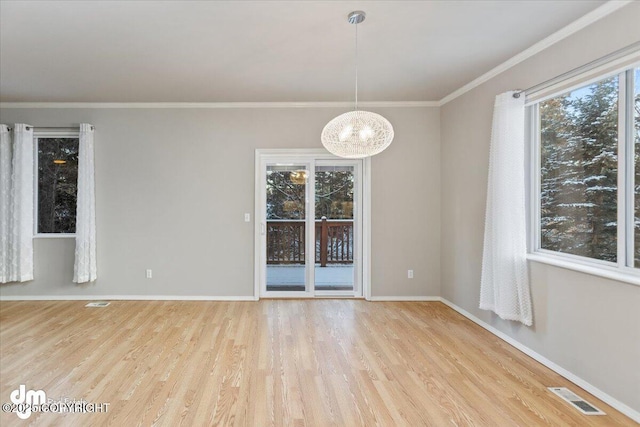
(579, 140)
(57, 184)
(286, 198)
(334, 194)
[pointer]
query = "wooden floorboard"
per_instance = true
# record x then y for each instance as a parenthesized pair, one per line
(276, 363)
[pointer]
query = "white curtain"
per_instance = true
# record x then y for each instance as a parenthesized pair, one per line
(16, 204)
(5, 198)
(504, 287)
(85, 266)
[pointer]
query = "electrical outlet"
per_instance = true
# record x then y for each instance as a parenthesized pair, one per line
(149, 273)
(410, 274)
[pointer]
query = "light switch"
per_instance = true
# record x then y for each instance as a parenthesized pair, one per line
(247, 217)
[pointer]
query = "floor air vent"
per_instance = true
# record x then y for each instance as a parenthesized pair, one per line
(97, 304)
(579, 403)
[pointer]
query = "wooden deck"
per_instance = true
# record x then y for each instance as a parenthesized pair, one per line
(329, 277)
(276, 363)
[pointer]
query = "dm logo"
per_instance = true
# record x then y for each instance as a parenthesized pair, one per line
(25, 399)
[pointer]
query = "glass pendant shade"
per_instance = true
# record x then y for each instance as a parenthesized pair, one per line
(357, 134)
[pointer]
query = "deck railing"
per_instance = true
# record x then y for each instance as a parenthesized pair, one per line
(333, 238)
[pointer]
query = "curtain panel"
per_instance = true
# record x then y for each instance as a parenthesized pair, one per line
(5, 201)
(16, 203)
(504, 286)
(85, 265)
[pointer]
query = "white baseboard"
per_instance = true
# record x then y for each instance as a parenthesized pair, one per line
(125, 298)
(176, 298)
(625, 409)
(398, 298)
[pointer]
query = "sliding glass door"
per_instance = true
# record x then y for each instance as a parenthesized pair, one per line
(335, 231)
(286, 231)
(310, 230)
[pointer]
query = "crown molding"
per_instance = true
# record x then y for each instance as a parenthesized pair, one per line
(219, 105)
(577, 25)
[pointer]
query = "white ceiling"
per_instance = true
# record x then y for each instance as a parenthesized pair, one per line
(261, 51)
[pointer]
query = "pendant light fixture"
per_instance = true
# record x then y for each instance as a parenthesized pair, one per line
(358, 133)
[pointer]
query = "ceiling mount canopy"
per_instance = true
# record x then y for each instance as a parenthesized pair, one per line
(356, 17)
(358, 133)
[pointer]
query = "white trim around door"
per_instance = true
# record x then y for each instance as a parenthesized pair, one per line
(308, 158)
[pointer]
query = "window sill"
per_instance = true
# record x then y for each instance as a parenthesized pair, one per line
(620, 276)
(54, 236)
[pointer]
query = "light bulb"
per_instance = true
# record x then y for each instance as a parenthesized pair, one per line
(345, 133)
(365, 133)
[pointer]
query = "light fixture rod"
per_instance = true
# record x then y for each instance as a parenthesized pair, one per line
(356, 67)
(356, 17)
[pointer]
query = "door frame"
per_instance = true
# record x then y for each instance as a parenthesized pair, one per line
(302, 156)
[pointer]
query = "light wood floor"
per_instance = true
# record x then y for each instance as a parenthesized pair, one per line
(277, 363)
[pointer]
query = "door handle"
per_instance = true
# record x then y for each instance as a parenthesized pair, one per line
(262, 228)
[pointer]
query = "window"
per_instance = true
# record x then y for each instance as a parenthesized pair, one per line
(579, 171)
(57, 169)
(586, 190)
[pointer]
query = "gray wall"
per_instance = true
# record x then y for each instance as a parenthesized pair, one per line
(586, 324)
(172, 186)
